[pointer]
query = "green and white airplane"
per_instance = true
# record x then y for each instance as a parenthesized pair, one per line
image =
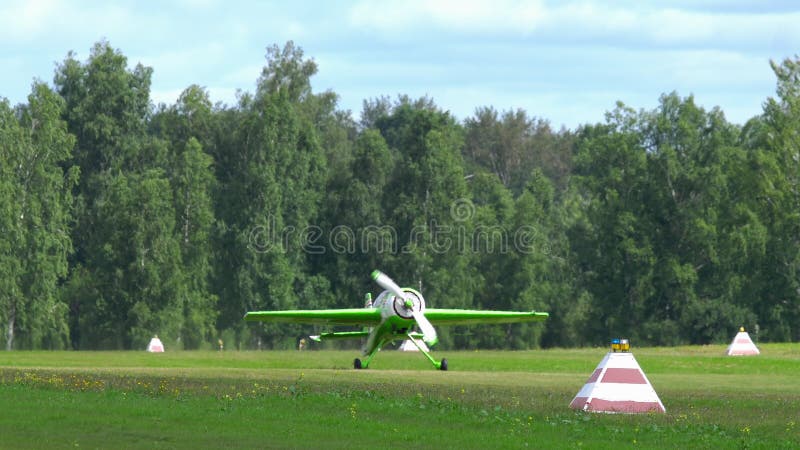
(392, 316)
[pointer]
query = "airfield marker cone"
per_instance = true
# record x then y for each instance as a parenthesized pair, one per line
(618, 385)
(742, 345)
(155, 345)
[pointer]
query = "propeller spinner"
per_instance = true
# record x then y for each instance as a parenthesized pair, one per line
(408, 305)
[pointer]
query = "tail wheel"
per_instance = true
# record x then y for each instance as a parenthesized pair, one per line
(443, 365)
(357, 363)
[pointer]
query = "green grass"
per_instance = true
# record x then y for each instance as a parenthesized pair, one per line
(313, 399)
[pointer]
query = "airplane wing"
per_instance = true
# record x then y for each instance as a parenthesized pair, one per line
(474, 317)
(354, 316)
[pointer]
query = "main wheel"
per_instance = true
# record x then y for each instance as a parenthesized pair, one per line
(357, 364)
(443, 365)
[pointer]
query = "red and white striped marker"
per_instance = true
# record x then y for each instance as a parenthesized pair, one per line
(618, 385)
(155, 345)
(742, 345)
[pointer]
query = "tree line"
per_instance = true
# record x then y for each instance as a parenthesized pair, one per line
(121, 219)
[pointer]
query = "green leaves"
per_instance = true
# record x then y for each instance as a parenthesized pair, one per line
(119, 220)
(674, 210)
(35, 207)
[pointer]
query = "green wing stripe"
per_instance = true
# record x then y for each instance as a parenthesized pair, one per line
(356, 316)
(472, 317)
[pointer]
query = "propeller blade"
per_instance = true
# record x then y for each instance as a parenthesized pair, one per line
(428, 331)
(387, 283)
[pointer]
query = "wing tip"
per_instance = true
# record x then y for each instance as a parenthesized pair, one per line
(250, 316)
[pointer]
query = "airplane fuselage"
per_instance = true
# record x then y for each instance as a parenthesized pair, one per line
(397, 320)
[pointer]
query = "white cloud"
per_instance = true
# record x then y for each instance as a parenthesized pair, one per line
(202, 57)
(673, 27)
(561, 60)
(25, 19)
(199, 4)
(226, 95)
(207, 65)
(242, 75)
(585, 22)
(463, 15)
(709, 68)
(64, 22)
(166, 96)
(397, 72)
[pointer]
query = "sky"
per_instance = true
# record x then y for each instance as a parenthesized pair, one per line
(567, 61)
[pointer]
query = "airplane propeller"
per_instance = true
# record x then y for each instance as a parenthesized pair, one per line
(428, 331)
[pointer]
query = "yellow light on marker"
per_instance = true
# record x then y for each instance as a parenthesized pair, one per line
(620, 345)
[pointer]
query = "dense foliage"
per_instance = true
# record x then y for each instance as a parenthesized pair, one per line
(120, 219)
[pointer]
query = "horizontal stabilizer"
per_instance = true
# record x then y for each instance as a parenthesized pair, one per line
(339, 335)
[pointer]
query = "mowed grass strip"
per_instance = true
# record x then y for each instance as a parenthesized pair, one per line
(313, 399)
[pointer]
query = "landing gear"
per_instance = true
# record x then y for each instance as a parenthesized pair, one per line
(441, 365)
(357, 364)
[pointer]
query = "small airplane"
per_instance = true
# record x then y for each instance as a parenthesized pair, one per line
(392, 316)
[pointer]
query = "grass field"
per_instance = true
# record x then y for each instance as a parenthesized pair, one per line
(313, 399)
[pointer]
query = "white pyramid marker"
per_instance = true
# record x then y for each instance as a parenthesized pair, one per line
(742, 345)
(618, 385)
(155, 345)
